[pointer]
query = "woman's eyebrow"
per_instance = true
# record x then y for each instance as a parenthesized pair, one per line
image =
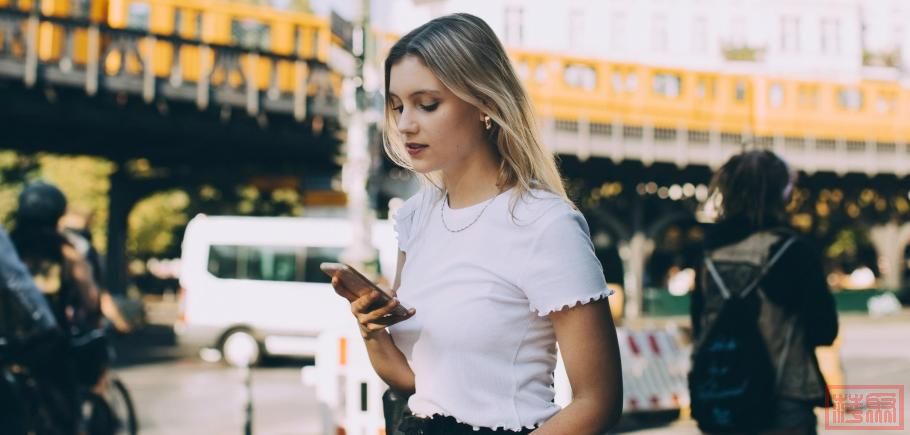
(419, 92)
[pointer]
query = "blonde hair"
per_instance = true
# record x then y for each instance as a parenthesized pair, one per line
(466, 56)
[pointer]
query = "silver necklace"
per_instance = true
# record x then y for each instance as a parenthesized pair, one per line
(443, 215)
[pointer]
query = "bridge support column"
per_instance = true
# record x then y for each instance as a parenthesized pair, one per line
(638, 250)
(890, 241)
(121, 202)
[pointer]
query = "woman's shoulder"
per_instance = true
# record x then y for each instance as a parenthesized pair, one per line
(423, 198)
(540, 207)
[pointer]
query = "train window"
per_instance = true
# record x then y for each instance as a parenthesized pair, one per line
(850, 98)
(522, 69)
(631, 82)
(808, 96)
(776, 95)
(667, 84)
(81, 8)
(580, 76)
(618, 82)
(886, 102)
(137, 16)
(623, 80)
(540, 74)
(705, 88)
(187, 24)
(250, 34)
(740, 91)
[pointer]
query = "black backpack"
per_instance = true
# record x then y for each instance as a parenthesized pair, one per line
(733, 383)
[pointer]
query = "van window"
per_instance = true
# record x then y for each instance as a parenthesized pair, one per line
(316, 256)
(272, 263)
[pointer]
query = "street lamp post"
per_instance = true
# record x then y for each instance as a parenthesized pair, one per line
(356, 168)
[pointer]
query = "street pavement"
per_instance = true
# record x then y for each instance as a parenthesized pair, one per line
(176, 393)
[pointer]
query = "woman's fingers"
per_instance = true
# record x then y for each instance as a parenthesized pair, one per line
(342, 290)
(381, 316)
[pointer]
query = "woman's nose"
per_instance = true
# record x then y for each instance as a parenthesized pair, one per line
(405, 124)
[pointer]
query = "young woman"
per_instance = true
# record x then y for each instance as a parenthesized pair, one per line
(495, 263)
(796, 311)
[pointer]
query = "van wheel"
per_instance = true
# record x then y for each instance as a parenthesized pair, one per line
(239, 347)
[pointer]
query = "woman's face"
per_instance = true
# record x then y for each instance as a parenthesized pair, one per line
(441, 131)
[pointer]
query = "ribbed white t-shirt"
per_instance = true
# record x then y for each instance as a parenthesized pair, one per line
(481, 345)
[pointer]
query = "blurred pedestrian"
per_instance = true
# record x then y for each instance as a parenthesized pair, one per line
(77, 224)
(761, 307)
(495, 262)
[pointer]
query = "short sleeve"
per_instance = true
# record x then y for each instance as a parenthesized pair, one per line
(562, 269)
(404, 220)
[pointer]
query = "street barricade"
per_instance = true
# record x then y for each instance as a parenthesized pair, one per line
(654, 367)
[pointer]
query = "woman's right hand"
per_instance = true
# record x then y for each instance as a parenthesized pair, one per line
(371, 319)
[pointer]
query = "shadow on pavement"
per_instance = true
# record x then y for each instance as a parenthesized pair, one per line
(645, 420)
(150, 344)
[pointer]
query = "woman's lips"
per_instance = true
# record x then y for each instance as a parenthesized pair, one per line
(415, 148)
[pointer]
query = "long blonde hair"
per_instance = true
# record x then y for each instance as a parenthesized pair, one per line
(466, 56)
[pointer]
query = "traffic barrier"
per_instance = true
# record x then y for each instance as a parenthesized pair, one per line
(654, 368)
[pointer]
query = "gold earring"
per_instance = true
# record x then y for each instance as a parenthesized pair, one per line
(487, 122)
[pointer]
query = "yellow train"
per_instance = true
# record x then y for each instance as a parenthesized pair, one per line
(763, 106)
(562, 87)
(209, 21)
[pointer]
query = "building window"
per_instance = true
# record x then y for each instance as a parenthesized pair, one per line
(700, 35)
(776, 95)
(576, 29)
(789, 34)
(659, 35)
(514, 25)
(831, 40)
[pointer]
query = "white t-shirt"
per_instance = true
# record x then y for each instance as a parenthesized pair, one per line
(481, 345)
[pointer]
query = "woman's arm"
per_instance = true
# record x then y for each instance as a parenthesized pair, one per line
(389, 363)
(587, 340)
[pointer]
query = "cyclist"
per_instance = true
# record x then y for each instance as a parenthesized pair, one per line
(65, 277)
(30, 344)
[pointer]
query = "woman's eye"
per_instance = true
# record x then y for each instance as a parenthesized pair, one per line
(397, 109)
(429, 107)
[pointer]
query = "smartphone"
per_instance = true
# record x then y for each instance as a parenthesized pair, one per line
(356, 282)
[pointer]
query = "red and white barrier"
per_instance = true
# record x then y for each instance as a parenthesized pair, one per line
(654, 367)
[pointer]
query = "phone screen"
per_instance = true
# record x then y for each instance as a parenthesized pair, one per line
(359, 284)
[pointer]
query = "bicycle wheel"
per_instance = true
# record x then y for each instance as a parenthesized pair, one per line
(121, 406)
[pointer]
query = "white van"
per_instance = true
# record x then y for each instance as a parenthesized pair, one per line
(252, 285)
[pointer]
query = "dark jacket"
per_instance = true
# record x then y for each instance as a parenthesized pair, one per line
(23, 310)
(798, 311)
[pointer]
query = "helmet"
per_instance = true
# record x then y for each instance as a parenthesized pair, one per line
(41, 202)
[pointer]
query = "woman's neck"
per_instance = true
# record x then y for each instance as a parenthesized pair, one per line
(475, 182)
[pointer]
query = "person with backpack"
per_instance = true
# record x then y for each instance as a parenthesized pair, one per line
(761, 306)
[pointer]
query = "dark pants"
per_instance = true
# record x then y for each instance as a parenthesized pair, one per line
(400, 421)
(438, 425)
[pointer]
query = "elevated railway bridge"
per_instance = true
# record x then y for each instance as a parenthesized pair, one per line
(206, 89)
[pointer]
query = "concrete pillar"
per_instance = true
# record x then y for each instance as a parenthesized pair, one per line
(636, 251)
(117, 225)
(890, 240)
